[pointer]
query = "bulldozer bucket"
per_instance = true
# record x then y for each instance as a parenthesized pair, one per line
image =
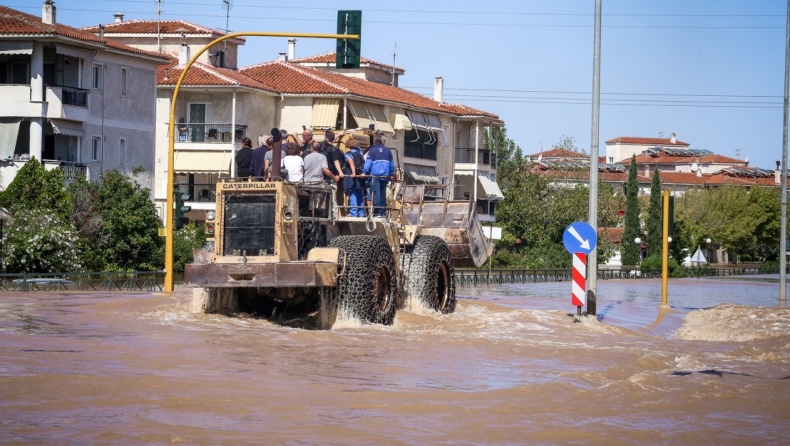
(456, 223)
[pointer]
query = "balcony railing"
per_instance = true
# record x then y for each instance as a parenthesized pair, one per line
(71, 170)
(75, 96)
(485, 156)
(199, 193)
(209, 133)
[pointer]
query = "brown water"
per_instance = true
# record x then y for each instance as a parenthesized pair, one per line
(509, 367)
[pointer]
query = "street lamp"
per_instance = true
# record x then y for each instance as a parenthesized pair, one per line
(638, 241)
(707, 240)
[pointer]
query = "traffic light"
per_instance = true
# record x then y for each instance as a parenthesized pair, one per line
(180, 220)
(210, 215)
(349, 50)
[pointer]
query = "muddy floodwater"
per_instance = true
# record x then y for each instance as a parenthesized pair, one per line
(510, 366)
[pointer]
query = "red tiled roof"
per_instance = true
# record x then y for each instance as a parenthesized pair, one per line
(17, 23)
(559, 152)
(646, 141)
(201, 74)
(329, 60)
(150, 27)
(665, 158)
(614, 234)
(290, 78)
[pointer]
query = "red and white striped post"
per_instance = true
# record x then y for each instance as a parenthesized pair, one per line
(578, 293)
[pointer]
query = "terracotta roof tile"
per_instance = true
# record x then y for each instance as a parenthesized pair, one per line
(203, 75)
(614, 234)
(328, 59)
(665, 158)
(646, 141)
(17, 23)
(150, 27)
(560, 153)
(290, 78)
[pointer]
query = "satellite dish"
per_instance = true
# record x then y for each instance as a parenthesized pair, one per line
(694, 167)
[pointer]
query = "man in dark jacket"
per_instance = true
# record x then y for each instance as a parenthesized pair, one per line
(258, 156)
(381, 166)
(244, 159)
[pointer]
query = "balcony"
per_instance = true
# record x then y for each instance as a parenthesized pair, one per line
(485, 157)
(71, 170)
(421, 151)
(199, 193)
(66, 103)
(207, 133)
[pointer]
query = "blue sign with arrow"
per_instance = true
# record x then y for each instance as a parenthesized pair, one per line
(579, 237)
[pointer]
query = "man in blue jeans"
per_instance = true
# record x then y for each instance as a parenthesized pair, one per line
(381, 166)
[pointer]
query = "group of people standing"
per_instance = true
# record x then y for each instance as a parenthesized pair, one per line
(359, 175)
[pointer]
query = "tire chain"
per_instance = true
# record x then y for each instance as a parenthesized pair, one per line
(364, 255)
(420, 269)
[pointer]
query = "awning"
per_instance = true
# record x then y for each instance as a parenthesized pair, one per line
(325, 113)
(189, 161)
(69, 128)
(464, 172)
(367, 114)
(425, 121)
(492, 191)
(9, 130)
(74, 52)
(400, 121)
(421, 174)
(12, 47)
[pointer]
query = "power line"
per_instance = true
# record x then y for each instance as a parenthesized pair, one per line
(607, 103)
(450, 12)
(607, 93)
(415, 23)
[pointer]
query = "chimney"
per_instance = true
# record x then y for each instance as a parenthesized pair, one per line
(291, 49)
(183, 54)
(48, 12)
(282, 57)
(118, 17)
(672, 139)
(647, 171)
(778, 173)
(438, 90)
(101, 31)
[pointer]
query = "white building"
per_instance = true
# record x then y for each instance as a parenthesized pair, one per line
(74, 100)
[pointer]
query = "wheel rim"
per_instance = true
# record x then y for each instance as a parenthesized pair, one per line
(442, 286)
(381, 293)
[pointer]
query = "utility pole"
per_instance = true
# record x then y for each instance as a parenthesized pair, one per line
(592, 259)
(783, 230)
(158, 25)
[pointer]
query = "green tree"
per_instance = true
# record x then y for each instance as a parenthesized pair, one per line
(86, 218)
(629, 250)
(128, 235)
(189, 237)
(655, 218)
(35, 187)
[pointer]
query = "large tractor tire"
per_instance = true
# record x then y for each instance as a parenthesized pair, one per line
(327, 308)
(368, 284)
(429, 275)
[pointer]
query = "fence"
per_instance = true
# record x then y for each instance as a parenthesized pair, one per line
(471, 277)
(146, 281)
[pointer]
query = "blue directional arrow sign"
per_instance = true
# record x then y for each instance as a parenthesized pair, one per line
(579, 237)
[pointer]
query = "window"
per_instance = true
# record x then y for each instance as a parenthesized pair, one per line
(124, 77)
(611, 159)
(95, 148)
(122, 150)
(19, 73)
(97, 77)
(445, 142)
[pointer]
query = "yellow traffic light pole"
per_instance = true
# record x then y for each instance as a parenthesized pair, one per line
(171, 134)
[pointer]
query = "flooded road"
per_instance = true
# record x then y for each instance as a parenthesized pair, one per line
(509, 367)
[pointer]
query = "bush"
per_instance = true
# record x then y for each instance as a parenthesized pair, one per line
(191, 236)
(39, 242)
(653, 264)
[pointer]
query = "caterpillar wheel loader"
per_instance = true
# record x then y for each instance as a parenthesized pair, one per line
(284, 248)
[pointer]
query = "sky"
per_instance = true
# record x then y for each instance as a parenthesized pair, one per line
(710, 71)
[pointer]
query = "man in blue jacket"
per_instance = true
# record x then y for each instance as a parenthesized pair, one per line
(381, 166)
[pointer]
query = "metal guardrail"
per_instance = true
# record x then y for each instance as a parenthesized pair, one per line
(145, 281)
(472, 277)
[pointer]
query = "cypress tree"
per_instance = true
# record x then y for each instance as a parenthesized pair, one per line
(655, 228)
(630, 250)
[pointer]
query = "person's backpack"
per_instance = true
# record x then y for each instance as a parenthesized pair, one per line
(359, 162)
